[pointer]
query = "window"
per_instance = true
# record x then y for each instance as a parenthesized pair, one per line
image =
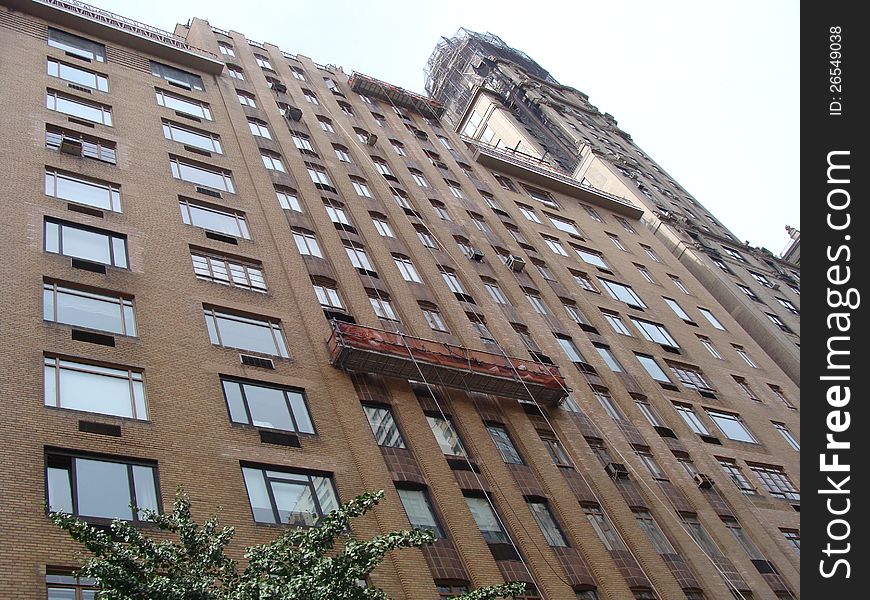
(384, 426)
(340, 151)
(691, 377)
(214, 218)
(310, 96)
(103, 488)
(733, 253)
(361, 187)
(67, 186)
(645, 274)
(495, 292)
(192, 137)
(700, 535)
(96, 245)
(529, 213)
(691, 419)
(602, 526)
(680, 285)
(616, 323)
(678, 310)
(263, 61)
(201, 174)
(592, 257)
(78, 75)
(617, 242)
(298, 73)
(625, 225)
(433, 317)
(705, 341)
(272, 161)
(254, 334)
(646, 408)
(178, 77)
(382, 307)
(188, 106)
(555, 245)
(419, 511)
(584, 281)
(91, 147)
(398, 147)
(623, 293)
(735, 473)
(358, 257)
(749, 293)
(226, 49)
(478, 323)
(81, 386)
(776, 482)
(382, 225)
(93, 310)
(722, 265)
(652, 368)
(228, 271)
(543, 269)
(744, 540)
(745, 356)
(761, 279)
(570, 349)
(446, 436)
(452, 281)
(788, 305)
(325, 124)
(440, 210)
(259, 128)
(472, 124)
(487, 521)
(318, 176)
(565, 225)
(655, 332)
(606, 402)
(537, 302)
(83, 109)
(593, 214)
(306, 243)
(608, 358)
(75, 45)
(379, 119)
(64, 585)
(732, 426)
(406, 268)
(793, 539)
(548, 524)
(650, 253)
(297, 498)
(503, 443)
(327, 294)
(455, 190)
(266, 405)
(782, 428)
(418, 178)
(287, 199)
(541, 196)
(711, 319)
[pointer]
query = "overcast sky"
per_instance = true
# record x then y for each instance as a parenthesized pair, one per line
(709, 90)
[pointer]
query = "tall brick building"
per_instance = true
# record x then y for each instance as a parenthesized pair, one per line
(231, 269)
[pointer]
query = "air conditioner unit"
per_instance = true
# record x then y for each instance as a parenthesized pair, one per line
(293, 113)
(704, 481)
(617, 471)
(515, 263)
(279, 87)
(372, 139)
(72, 146)
(476, 255)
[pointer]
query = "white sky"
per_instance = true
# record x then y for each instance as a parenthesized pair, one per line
(709, 90)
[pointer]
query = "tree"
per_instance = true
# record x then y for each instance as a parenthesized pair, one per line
(300, 564)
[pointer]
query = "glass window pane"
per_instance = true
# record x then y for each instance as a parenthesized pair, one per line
(258, 495)
(95, 393)
(86, 309)
(446, 436)
(384, 427)
(268, 407)
(486, 520)
(59, 490)
(295, 503)
(419, 511)
(146, 492)
(88, 245)
(103, 489)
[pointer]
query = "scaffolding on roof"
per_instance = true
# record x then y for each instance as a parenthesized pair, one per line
(369, 86)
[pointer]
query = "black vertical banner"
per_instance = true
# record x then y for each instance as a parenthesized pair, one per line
(835, 426)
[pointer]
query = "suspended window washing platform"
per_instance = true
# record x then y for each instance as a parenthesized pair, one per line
(361, 349)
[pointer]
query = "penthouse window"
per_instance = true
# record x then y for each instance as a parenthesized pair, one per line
(266, 405)
(91, 147)
(228, 271)
(70, 305)
(100, 487)
(188, 106)
(177, 77)
(487, 521)
(288, 497)
(77, 241)
(197, 138)
(214, 218)
(74, 188)
(76, 46)
(93, 388)
(254, 334)
(76, 107)
(384, 426)
(200, 174)
(78, 75)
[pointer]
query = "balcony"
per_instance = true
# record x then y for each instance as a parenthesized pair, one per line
(375, 88)
(361, 349)
(534, 170)
(95, 21)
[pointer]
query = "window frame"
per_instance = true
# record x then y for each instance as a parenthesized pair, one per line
(293, 477)
(273, 325)
(299, 425)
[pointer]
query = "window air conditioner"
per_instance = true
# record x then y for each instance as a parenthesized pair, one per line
(72, 146)
(515, 263)
(617, 471)
(704, 481)
(476, 255)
